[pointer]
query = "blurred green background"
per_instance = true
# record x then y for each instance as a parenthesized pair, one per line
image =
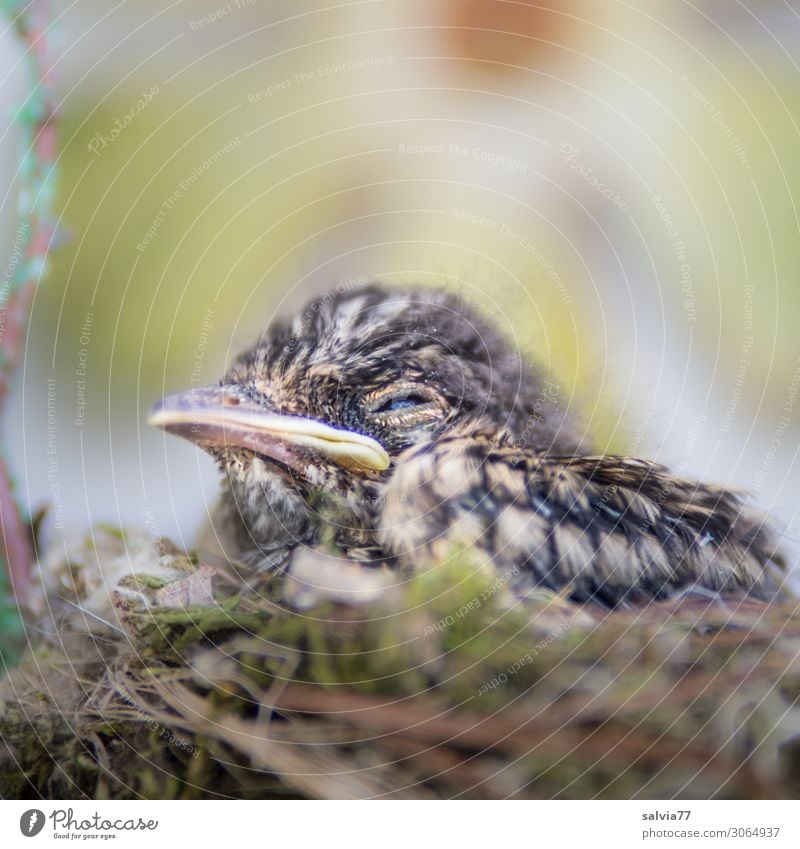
(617, 183)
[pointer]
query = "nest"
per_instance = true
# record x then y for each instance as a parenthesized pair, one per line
(154, 676)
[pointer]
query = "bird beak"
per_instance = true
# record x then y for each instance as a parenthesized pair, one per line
(220, 417)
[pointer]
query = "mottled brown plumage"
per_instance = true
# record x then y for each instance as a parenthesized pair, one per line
(395, 425)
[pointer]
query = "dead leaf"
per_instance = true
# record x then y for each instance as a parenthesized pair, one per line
(195, 588)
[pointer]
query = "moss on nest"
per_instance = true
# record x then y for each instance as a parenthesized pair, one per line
(192, 684)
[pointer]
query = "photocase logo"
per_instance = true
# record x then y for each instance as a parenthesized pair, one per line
(65, 824)
(31, 822)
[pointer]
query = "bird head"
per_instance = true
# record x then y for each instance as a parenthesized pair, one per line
(328, 402)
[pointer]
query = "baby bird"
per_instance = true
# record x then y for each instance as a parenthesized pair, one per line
(397, 425)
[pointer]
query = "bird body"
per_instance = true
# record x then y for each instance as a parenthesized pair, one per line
(601, 528)
(396, 425)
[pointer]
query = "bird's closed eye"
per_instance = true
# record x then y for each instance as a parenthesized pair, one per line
(404, 401)
(404, 406)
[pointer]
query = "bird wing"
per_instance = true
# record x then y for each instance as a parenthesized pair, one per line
(604, 528)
